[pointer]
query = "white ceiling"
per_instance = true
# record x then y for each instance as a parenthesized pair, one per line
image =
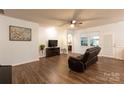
(59, 17)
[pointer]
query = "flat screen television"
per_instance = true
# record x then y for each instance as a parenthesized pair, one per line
(52, 43)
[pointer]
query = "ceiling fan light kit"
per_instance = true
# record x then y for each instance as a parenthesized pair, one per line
(73, 21)
(72, 25)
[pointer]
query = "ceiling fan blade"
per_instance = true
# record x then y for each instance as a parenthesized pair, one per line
(63, 24)
(53, 18)
(76, 14)
(1, 11)
(92, 19)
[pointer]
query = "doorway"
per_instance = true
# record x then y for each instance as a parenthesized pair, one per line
(70, 39)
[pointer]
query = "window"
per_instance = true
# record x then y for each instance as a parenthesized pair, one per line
(84, 41)
(90, 39)
(94, 41)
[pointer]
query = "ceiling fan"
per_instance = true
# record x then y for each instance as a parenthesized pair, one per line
(76, 21)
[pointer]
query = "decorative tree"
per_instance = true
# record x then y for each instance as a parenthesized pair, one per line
(42, 46)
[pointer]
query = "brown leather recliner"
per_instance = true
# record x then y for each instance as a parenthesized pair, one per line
(80, 63)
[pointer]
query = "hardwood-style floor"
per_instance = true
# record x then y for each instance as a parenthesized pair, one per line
(55, 70)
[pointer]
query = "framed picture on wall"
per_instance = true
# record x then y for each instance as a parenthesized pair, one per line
(84, 41)
(17, 33)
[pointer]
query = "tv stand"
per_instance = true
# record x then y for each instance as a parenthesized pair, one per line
(5, 74)
(52, 51)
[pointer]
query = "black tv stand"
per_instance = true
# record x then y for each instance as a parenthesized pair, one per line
(5, 74)
(52, 51)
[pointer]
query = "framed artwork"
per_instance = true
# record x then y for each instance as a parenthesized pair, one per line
(84, 41)
(19, 33)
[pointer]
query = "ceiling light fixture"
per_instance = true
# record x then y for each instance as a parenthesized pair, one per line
(72, 25)
(74, 21)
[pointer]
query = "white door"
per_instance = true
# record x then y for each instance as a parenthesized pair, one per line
(108, 49)
(119, 39)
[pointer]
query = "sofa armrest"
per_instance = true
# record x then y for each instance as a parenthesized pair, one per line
(75, 64)
(75, 58)
(80, 57)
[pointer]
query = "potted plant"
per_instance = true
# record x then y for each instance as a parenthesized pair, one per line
(42, 46)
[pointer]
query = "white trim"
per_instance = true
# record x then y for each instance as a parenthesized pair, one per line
(112, 57)
(20, 63)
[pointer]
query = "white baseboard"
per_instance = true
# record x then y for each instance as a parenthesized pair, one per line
(20, 63)
(107, 56)
(42, 56)
(112, 57)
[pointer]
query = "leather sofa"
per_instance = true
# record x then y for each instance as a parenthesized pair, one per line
(80, 63)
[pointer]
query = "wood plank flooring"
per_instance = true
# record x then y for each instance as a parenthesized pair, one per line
(54, 70)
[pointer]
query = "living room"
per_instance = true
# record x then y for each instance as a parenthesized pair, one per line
(49, 28)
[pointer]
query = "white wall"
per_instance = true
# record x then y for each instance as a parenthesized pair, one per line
(49, 33)
(17, 52)
(117, 29)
